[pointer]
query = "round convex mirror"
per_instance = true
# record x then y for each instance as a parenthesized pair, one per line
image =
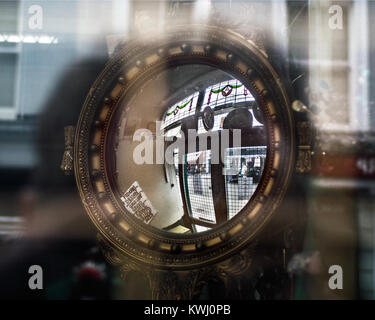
(187, 149)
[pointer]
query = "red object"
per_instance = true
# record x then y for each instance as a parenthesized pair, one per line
(344, 166)
(90, 272)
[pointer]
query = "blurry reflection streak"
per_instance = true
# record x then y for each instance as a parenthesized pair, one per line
(14, 38)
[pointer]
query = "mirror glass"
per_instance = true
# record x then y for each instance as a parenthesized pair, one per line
(188, 149)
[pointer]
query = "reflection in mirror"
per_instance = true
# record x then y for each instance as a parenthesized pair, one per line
(190, 149)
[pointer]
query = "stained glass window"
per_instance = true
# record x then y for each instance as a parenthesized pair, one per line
(180, 110)
(227, 92)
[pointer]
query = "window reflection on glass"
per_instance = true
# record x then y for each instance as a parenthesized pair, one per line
(9, 58)
(8, 63)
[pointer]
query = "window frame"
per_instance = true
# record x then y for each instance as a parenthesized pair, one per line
(11, 112)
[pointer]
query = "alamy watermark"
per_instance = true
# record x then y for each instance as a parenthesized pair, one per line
(36, 280)
(335, 21)
(36, 17)
(336, 280)
(165, 145)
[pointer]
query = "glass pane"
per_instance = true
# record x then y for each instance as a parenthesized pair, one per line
(8, 21)
(8, 16)
(199, 187)
(7, 78)
(243, 168)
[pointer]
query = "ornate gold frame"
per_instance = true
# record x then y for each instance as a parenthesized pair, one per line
(132, 64)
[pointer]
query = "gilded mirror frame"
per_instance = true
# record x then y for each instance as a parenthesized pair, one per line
(133, 64)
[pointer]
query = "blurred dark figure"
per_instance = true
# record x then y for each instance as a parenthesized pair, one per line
(59, 236)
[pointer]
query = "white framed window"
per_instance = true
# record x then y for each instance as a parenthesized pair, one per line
(338, 62)
(10, 24)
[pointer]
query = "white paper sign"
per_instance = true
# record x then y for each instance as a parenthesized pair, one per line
(137, 203)
(257, 162)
